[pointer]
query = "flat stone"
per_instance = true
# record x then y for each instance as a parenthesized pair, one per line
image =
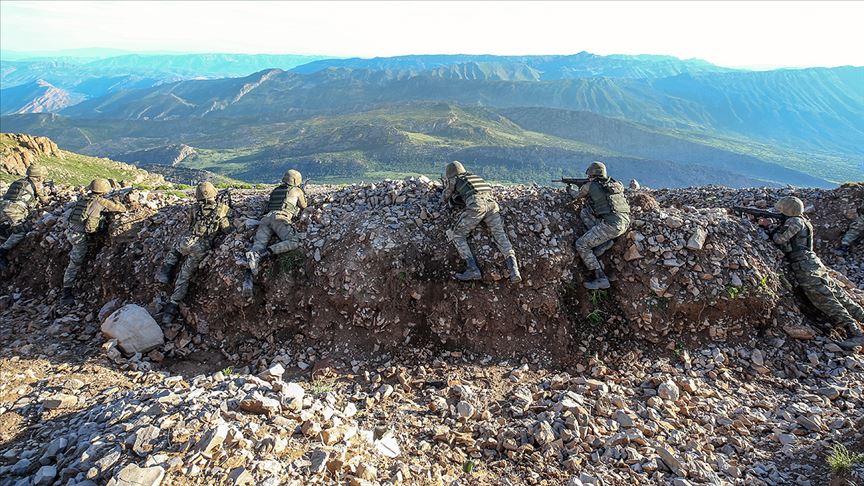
(134, 329)
(213, 439)
(44, 476)
(132, 475)
(60, 400)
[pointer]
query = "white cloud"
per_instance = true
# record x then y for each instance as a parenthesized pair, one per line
(726, 33)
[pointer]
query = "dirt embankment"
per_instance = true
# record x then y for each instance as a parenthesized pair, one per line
(376, 269)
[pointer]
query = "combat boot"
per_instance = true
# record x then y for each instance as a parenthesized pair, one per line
(600, 281)
(169, 312)
(254, 258)
(470, 273)
(248, 285)
(513, 267)
(68, 298)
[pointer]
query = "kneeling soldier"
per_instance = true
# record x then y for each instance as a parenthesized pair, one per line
(208, 219)
(606, 215)
(22, 197)
(795, 238)
(85, 220)
(470, 193)
(284, 203)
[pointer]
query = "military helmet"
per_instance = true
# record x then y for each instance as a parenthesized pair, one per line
(35, 171)
(292, 177)
(454, 168)
(99, 186)
(790, 206)
(204, 191)
(596, 169)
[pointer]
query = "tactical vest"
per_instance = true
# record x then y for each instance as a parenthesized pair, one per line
(802, 242)
(206, 220)
(18, 192)
(83, 216)
(279, 199)
(466, 185)
(606, 196)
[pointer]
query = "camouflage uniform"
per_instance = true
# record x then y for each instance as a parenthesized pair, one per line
(208, 219)
(284, 203)
(15, 207)
(855, 231)
(473, 195)
(795, 238)
(84, 221)
(606, 216)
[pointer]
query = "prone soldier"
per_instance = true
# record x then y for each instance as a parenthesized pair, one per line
(84, 221)
(209, 218)
(22, 197)
(855, 231)
(473, 196)
(795, 238)
(285, 202)
(606, 214)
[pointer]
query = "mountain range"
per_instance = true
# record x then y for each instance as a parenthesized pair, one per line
(515, 118)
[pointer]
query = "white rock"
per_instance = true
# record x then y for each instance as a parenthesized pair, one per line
(134, 329)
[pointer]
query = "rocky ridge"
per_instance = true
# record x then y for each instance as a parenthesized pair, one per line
(497, 385)
(20, 150)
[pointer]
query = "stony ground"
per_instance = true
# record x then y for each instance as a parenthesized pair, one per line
(765, 411)
(755, 406)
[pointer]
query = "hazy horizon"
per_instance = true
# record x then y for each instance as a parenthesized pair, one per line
(726, 34)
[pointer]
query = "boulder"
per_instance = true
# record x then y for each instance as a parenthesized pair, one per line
(134, 329)
(132, 475)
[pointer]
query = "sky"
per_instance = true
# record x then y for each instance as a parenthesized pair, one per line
(734, 34)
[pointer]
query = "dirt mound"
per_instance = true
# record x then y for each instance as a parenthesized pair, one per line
(376, 269)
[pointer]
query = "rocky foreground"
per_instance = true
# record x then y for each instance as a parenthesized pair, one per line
(499, 385)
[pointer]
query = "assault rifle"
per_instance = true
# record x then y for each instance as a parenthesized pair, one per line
(573, 180)
(760, 213)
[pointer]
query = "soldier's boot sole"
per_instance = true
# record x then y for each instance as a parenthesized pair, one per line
(513, 268)
(253, 260)
(248, 285)
(164, 274)
(597, 284)
(469, 275)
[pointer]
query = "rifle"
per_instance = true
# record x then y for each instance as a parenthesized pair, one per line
(760, 213)
(573, 180)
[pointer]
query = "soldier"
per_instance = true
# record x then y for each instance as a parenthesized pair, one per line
(19, 201)
(85, 220)
(634, 185)
(473, 196)
(854, 233)
(209, 218)
(606, 214)
(285, 202)
(795, 238)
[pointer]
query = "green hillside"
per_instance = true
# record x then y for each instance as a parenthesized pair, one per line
(77, 169)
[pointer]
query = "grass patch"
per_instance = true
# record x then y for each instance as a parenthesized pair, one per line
(321, 386)
(842, 460)
(290, 262)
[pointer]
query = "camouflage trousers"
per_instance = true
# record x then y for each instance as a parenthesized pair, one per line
(15, 216)
(477, 210)
(826, 294)
(192, 256)
(81, 244)
(600, 234)
(274, 222)
(855, 231)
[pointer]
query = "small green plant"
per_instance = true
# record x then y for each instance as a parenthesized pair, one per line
(841, 460)
(321, 386)
(595, 317)
(763, 282)
(287, 263)
(734, 292)
(598, 297)
(228, 371)
(468, 466)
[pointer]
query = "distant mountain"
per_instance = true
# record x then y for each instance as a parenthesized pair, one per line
(36, 97)
(581, 65)
(86, 78)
